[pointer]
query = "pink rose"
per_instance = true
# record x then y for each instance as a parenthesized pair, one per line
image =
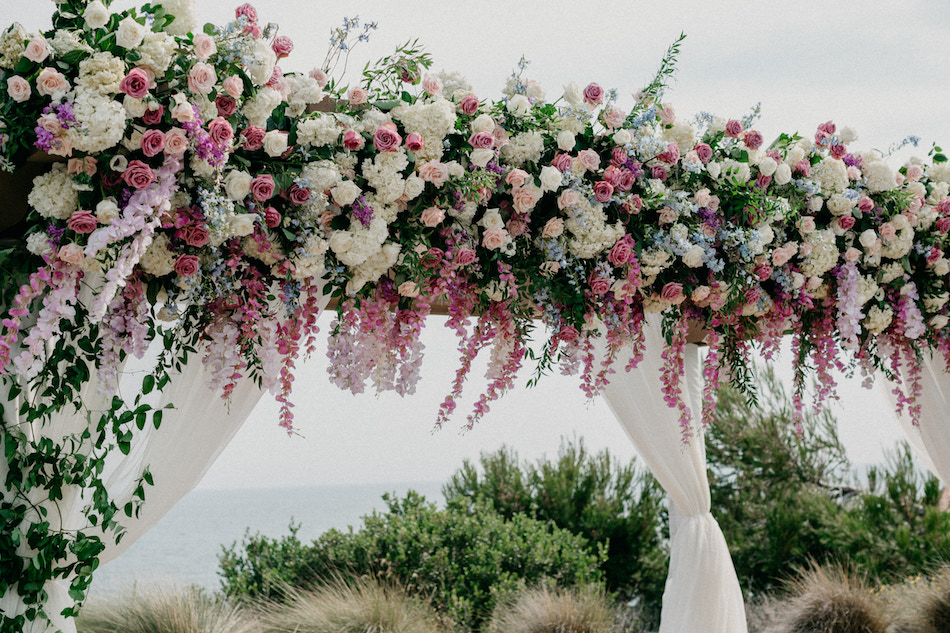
(753, 139)
(464, 256)
(71, 254)
(82, 222)
(138, 175)
(659, 172)
(763, 272)
(352, 140)
(838, 151)
(320, 76)
(282, 46)
(614, 118)
(516, 177)
(201, 78)
(357, 96)
(51, 83)
(621, 252)
(603, 190)
(386, 138)
(225, 104)
(153, 116)
(481, 140)
(887, 232)
(734, 129)
(271, 217)
(414, 142)
(593, 94)
(806, 224)
(187, 265)
(18, 88)
(943, 225)
(568, 334)
(432, 85)
(612, 175)
(598, 285)
(433, 216)
(196, 235)
(846, 222)
(204, 46)
(298, 195)
(619, 157)
(525, 198)
(252, 138)
(408, 289)
(567, 199)
(852, 255)
(469, 104)
(37, 50)
(914, 172)
(247, 11)
(589, 159)
(435, 172)
(234, 86)
(866, 204)
(781, 255)
(494, 238)
(501, 136)
(666, 114)
(553, 229)
(762, 181)
(627, 180)
(803, 167)
(673, 292)
(176, 142)
(152, 142)
(562, 162)
(221, 132)
(262, 187)
(935, 254)
(671, 155)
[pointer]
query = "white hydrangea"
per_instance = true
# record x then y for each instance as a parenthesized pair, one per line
(823, 256)
(916, 189)
(64, 42)
(385, 211)
(840, 204)
(736, 170)
(186, 20)
(38, 244)
(101, 73)
(101, 122)
(867, 288)
(374, 266)
(321, 175)
(260, 61)
(939, 172)
(432, 121)
(831, 175)
(933, 303)
(683, 134)
(310, 260)
(158, 52)
(304, 90)
(590, 233)
(901, 243)
(878, 319)
(319, 130)
(523, 149)
(259, 108)
(158, 260)
(891, 271)
(880, 177)
(654, 260)
(207, 109)
(455, 85)
(938, 192)
(572, 123)
(355, 245)
(383, 175)
(53, 195)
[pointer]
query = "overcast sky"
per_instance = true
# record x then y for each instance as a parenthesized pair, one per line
(869, 65)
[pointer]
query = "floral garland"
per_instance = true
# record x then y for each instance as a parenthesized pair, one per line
(214, 199)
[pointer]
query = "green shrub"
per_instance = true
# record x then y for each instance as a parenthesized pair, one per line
(612, 505)
(462, 559)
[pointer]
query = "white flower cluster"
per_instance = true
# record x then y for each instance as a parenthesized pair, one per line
(310, 259)
(384, 175)
(101, 122)
(304, 90)
(64, 42)
(157, 51)
(823, 256)
(432, 121)
(683, 134)
(831, 174)
(319, 130)
(12, 45)
(269, 257)
(321, 176)
(880, 177)
(53, 195)
(158, 259)
(591, 235)
(260, 107)
(523, 148)
(102, 73)
(259, 59)
(455, 85)
(185, 19)
(902, 242)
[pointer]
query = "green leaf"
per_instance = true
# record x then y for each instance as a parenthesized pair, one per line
(157, 418)
(148, 383)
(940, 158)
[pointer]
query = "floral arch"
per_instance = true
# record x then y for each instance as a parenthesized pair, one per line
(185, 194)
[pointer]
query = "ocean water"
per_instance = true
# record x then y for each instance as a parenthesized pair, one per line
(183, 547)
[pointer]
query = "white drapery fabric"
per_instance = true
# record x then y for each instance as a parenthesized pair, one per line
(931, 439)
(702, 592)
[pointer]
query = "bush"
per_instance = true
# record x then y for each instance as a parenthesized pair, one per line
(831, 600)
(356, 607)
(614, 506)
(547, 610)
(462, 559)
(162, 609)
(920, 604)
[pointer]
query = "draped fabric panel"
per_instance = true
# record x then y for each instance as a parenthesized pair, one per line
(931, 439)
(702, 590)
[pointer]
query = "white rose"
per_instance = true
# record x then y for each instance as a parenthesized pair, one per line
(900, 222)
(492, 220)
(107, 210)
(621, 137)
(939, 322)
(565, 140)
(96, 15)
(414, 187)
(480, 157)
(783, 175)
(815, 203)
(134, 107)
(714, 169)
(847, 135)
(693, 257)
(237, 184)
(767, 166)
(345, 193)
(129, 34)
(573, 94)
(550, 178)
(867, 238)
(519, 105)
(483, 123)
(942, 267)
(535, 91)
(341, 241)
(275, 143)
(241, 224)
